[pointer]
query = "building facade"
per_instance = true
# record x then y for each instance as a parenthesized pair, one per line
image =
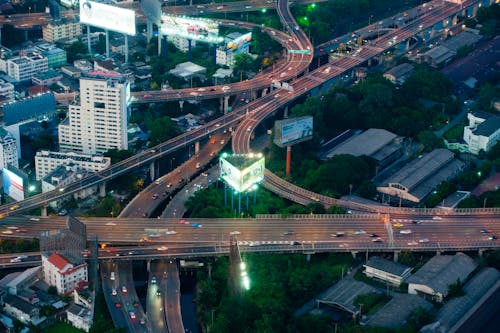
(61, 29)
(6, 92)
(47, 161)
(64, 275)
(24, 67)
(8, 150)
(482, 133)
(97, 121)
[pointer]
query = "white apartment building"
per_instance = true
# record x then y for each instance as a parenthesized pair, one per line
(97, 121)
(64, 275)
(235, 43)
(6, 92)
(23, 67)
(482, 133)
(79, 317)
(182, 43)
(8, 150)
(61, 29)
(47, 161)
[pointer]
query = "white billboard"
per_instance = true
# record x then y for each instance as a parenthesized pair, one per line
(241, 180)
(107, 17)
(191, 28)
(293, 130)
(13, 185)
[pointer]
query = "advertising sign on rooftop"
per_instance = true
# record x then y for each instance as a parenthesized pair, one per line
(191, 28)
(241, 176)
(293, 130)
(107, 17)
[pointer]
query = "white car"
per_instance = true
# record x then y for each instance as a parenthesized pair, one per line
(360, 232)
(34, 219)
(437, 218)
(405, 231)
(424, 240)
(170, 232)
(413, 243)
(235, 233)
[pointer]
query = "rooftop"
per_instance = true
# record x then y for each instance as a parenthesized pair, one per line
(415, 172)
(366, 143)
(488, 127)
(388, 266)
(395, 313)
(242, 161)
(58, 260)
(475, 289)
(441, 271)
(18, 303)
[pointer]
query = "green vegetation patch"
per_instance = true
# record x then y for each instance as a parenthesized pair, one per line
(60, 327)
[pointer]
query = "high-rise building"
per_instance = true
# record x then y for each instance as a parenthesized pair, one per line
(8, 150)
(97, 120)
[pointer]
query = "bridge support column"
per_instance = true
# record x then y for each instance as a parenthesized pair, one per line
(89, 45)
(149, 30)
(354, 253)
(438, 253)
(152, 172)
(102, 189)
(407, 44)
(454, 20)
(254, 95)
(148, 265)
(226, 104)
(480, 253)
(181, 105)
(285, 114)
(308, 257)
(159, 42)
(43, 211)
(474, 10)
(221, 104)
(107, 43)
(25, 35)
(196, 147)
(396, 256)
(264, 92)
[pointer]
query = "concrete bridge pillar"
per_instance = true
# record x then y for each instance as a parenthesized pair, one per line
(149, 31)
(152, 172)
(354, 253)
(454, 20)
(221, 104)
(474, 9)
(196, 147)
(407, 44)
(159, 42)
(480, 252)
(102, 189)
(438, 253)
(148, 265)
(308, 257)
(396, 256)
(254, 95)
(25, 35)
(264, 92)
(43, 211)
(181, 105)
(226, 104)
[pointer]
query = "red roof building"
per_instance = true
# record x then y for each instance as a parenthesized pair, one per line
(58, 271)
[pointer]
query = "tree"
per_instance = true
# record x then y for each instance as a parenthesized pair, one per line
(243, 63)
(118, 155)
(430, 140)
(52, 290)
(161, 129)
(75, 50)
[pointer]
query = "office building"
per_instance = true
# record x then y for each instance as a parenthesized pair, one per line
(61, 29)
(24, 67)
(482, 133)
(97, 121)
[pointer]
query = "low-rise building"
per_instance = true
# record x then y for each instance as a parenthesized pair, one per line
(47, 78)
(57, 30)
(62, 176)
(188, 70)
(416, 180)
(386, 270)
(64, 275)
(235, 43)
(6, 92)
(47, 161)
(399, 74)
(433, 280)
(22, 310)
(24, 67)
(79, 316)
(483, 131)
(182, 43)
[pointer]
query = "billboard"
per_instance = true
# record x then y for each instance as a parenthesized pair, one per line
(13, 185)
(293, 130)
(107, 17)
(239, 42)
(191, 28)
(243, 179)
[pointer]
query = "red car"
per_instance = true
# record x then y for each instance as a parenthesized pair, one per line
(118, 305)
(183, 222)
